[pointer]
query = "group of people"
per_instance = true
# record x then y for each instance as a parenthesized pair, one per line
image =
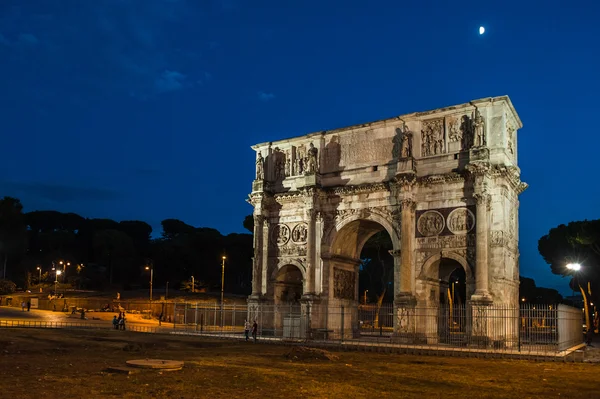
(119, 322)
(26, 305)
(248, 328)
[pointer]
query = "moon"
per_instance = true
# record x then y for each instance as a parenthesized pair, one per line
(481, 30)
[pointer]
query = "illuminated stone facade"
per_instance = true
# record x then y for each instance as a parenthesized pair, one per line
(444, 184)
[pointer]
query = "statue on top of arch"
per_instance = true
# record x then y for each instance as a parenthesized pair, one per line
(313, 166)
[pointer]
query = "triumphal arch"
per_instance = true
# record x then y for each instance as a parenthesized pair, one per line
(444, 184)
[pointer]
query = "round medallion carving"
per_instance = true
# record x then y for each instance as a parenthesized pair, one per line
(280, 234)
(300, 233)
(430, 223)
(460, 221)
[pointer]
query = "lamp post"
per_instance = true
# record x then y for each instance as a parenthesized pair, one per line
(365, 297)
(222, 279)
(39, 269)
(193, 285)
(575, 267)
(58, 273)
(151, 268)
(222, 285)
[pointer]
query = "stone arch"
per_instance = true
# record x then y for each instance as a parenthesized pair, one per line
(431, 264)
(285, 262)
(349, 235)
(288, 281)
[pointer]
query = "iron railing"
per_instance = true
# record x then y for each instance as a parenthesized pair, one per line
(533, 329)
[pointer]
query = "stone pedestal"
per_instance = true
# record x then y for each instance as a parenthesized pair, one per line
(406, 325)
(480, 328)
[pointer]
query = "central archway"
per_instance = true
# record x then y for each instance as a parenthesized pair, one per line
(342, 265)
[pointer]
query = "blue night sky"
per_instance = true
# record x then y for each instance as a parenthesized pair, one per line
(146, 109)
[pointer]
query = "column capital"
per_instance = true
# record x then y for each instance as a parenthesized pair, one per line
(478, 168)
(408, 204)
(483, 199)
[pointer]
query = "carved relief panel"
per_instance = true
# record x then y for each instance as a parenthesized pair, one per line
(344, 284)
(461, 221)
(445, 222)
(430, 223)
(300, 233)
(432, 138)
(280, 234)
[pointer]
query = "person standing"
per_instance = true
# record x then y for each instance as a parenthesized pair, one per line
(115, 322)
(29, 305)
(247, 329)
(254, 330)
(23, 306)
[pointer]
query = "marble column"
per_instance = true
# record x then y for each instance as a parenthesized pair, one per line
(265, 257)
(483, 200)
(407, 250)
(310, 251)
(258, 254)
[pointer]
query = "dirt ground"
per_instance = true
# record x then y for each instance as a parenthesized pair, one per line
(72, 364)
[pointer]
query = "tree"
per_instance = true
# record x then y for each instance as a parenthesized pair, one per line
(13, 237)
(114, 249)
(577, 242)
(7, 286)
(249, 223)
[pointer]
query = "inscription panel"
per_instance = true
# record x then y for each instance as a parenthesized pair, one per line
(359, 148)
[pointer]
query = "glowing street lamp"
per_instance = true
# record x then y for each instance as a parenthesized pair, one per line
(58, 273)
(574, 266)
(39, 269)
(151, 268)
(222, 280)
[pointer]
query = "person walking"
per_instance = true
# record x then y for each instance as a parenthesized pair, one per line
(247, 329)
(254, 330)
(29, 305)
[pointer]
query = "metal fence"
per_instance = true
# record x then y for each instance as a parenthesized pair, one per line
(533, 329)
(542, 329)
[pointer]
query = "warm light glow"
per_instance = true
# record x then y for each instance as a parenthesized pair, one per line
(147, 267)
(591, 304)
(522, 299)
(224, 257)
(574, 266)
(61, 262)
(38, 268)
(68, 263)
(58, 272)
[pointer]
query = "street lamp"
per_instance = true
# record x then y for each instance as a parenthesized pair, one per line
(39, 269)
(222, 286)
(58, 273)
(365, 297)
(222, 279)
(574, 266)
(193, 284)
(151, 268)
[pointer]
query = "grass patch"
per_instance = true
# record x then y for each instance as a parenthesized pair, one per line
(63, 364)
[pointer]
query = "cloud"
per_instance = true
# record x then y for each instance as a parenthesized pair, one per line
(28, 39)
(264, 96)
(170, 81)
(58, 192)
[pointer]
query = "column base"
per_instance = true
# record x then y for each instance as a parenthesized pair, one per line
(481, 298)
(405, 321)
